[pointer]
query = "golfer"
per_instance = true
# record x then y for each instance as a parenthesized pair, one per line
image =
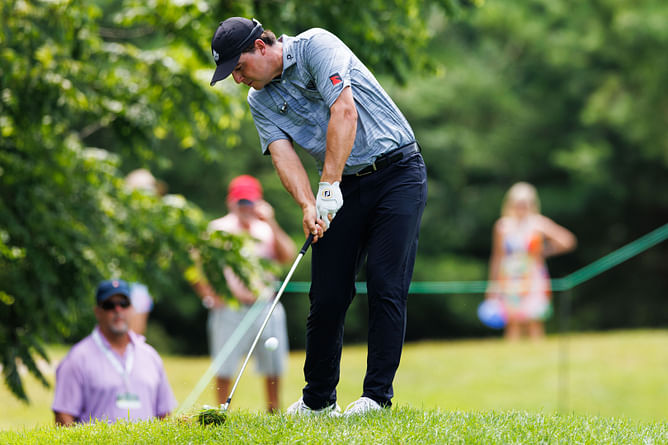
(313, 91)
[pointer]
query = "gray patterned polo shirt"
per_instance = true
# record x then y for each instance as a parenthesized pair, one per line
(317, 66)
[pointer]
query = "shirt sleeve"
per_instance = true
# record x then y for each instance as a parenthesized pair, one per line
(69, 393)
(329, 62)
(266, 129)
(165, 403)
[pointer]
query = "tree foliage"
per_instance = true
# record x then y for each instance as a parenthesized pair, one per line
(571, 97)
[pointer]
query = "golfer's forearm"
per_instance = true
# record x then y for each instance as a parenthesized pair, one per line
(339, 146)
(291, 172)
(340, 136)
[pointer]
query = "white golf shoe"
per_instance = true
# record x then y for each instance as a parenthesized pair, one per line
(299, 408)
(361, 406)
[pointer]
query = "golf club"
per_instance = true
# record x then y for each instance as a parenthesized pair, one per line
(302, 251)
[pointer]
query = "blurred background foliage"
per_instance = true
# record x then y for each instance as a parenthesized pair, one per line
(567, 95)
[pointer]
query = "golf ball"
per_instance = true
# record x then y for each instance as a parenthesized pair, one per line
(271, 343)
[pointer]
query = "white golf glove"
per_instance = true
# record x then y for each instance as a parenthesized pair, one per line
(329, 200)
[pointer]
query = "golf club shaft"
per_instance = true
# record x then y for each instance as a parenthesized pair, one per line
(302, 252)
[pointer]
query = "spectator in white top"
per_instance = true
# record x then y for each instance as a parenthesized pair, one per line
(254, 216)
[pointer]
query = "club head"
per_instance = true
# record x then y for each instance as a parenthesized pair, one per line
(211, 416)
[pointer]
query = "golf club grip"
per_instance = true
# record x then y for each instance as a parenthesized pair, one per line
(308, 242)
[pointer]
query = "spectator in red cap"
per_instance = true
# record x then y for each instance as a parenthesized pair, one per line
(251, 215)
(244, 187)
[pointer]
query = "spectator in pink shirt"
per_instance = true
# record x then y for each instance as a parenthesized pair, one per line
(111, 374)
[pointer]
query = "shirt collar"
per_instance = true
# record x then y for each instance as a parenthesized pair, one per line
(133, 337)
(289, 51)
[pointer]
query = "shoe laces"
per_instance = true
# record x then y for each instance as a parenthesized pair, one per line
(362, 405)
(303, 408)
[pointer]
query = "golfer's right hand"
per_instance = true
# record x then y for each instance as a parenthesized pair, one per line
(328, 201)
(312, 224)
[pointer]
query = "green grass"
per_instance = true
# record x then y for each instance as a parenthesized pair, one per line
(400, 426)
(589, 388)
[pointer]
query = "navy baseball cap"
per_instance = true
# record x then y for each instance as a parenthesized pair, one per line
(232, 36)
(108, 288)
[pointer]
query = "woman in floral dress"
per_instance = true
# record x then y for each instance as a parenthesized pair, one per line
(518, 277)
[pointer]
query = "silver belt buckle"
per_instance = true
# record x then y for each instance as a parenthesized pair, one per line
(373, 169)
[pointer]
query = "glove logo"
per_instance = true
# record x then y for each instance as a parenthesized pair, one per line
(335, 79)
(329, 201)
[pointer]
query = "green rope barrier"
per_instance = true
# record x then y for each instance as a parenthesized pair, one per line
(618, 256)
(435, 287)
(570, 281)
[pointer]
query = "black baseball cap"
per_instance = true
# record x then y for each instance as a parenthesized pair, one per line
(231, 37)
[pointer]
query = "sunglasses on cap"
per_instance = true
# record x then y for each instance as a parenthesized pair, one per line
(108, 305)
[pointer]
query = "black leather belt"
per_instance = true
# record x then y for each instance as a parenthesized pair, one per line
(389, 158)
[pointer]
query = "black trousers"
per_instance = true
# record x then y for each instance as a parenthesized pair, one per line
(379, 222)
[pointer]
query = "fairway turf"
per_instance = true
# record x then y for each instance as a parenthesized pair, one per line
(399, 425)
(609, 375)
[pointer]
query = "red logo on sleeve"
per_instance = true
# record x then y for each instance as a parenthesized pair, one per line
(336, 79)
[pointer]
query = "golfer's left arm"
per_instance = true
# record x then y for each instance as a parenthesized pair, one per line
(294, 178)
(341, 132)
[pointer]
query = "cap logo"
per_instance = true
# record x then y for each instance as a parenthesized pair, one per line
(115, 283)
(216, 56)
(335, 79)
